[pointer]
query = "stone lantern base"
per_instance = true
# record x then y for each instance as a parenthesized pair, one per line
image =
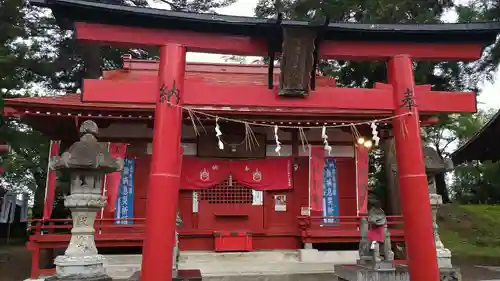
(80, 277)
(89, 265)
(84, 268)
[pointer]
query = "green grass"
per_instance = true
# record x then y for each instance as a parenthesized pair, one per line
(471, 231)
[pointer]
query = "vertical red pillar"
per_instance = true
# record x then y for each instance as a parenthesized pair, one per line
(164, 179)
(419, 236)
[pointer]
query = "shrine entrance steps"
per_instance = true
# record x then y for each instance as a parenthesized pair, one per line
(302, 265)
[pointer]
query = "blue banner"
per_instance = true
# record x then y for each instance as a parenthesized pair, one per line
(125, 200)
(330, 194)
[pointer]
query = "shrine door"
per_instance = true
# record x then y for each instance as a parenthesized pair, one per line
(230, 207)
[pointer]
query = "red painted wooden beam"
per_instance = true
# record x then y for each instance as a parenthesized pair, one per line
(241, 45)
(193, 41)
(417, 51)
(199, 93)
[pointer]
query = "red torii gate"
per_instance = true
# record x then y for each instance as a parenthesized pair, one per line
(118, 25)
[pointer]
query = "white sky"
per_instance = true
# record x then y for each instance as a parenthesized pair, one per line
(489, 92)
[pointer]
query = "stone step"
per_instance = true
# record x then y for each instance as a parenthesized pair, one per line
(235, 269)
(207, 257)
(276, 277)
(270, 277)
(264, 265)
(301, 265)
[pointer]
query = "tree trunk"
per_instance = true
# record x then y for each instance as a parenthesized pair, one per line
(392, 189)
(92, 61)
(39, 197)
(441, 187)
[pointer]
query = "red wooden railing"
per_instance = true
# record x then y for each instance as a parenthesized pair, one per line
(55, 233)
(321, 229)
(39, 227)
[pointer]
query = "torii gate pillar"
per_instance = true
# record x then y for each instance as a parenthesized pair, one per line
(164, 178)
(419, 236)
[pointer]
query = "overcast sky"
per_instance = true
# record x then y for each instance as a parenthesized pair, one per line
(489, 97)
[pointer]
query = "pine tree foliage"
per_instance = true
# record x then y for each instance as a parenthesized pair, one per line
(480, 11)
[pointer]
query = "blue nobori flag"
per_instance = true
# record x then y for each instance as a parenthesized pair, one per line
(125, 201)
(330, 192)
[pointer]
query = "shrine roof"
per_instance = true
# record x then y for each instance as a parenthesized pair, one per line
(97, 12)
(71, 100)
(482, 146)
(136, 69)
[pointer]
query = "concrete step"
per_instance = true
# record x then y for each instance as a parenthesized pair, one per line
(265, 265)
(235, 269)
(207, 257)
(280, 277)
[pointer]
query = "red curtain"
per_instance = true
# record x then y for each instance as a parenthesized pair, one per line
(117, 150)
(362, 178)
(317, 169)
(266, 174)
(50, 188)
(200, 173)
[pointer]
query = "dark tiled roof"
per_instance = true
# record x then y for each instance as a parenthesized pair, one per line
(482, 146)
(99, 12)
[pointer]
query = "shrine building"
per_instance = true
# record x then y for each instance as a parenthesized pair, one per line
(253, 157)
(261, 194)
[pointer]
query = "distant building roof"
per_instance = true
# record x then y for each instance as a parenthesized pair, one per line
(484, 145)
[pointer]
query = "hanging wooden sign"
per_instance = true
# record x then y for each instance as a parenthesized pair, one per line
(297, 61)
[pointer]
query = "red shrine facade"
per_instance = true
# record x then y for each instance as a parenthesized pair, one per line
(261, 197)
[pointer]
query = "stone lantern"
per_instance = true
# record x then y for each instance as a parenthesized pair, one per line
(87, 162)
(433, 166)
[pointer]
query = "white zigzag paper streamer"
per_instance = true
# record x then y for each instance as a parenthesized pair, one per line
(278, 143)
(375, 136)
(218, 133)
(328, 148)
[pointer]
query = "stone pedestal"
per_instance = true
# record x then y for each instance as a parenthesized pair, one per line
(400, 273)
(81, 256)
(87, 164)
(364, 273)
(443, 254)
(182, 275)
(435, 165)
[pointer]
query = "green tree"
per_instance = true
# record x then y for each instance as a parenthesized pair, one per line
(476, 182)
(37, 57)
(478, 11)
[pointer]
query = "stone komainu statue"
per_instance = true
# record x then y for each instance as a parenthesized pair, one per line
(374, 233)
(176, 253)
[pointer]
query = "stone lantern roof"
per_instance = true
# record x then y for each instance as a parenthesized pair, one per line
(87, 154)
(433, 162)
